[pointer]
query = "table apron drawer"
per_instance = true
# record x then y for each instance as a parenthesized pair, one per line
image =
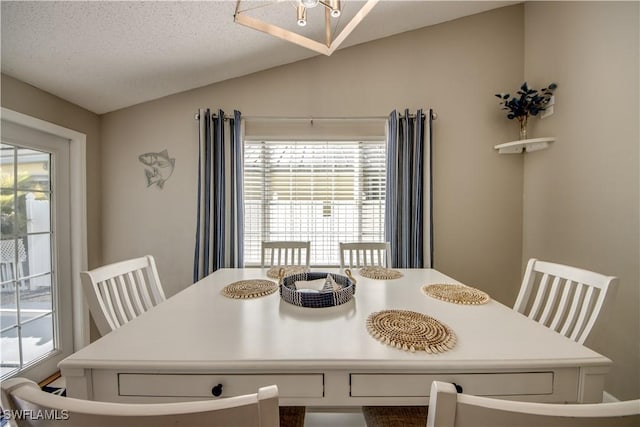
(198, 385)
(419, 385)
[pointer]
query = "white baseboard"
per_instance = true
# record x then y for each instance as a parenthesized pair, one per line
(609, 398)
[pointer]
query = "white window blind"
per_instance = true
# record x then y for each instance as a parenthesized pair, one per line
(322, 191)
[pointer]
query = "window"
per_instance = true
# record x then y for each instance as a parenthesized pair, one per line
(34, 273)
(322, 191)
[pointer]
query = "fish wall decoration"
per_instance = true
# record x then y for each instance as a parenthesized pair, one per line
(158, 167)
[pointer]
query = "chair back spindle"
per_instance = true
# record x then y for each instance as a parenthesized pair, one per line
(118, 293)
(365, 254)
(285, 253)
(564, 298)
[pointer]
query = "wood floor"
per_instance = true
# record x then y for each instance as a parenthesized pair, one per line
(330, 419)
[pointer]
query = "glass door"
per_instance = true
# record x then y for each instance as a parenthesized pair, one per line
(35, 294)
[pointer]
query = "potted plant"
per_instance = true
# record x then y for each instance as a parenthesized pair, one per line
(527, 102)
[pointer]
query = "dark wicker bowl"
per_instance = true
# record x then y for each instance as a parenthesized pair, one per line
(290, 294)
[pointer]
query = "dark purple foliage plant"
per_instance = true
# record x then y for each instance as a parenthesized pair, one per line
(527, 102)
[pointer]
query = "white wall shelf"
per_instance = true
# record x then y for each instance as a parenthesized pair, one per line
(527, 145)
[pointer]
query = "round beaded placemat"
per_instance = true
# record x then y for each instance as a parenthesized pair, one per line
(289, 270)
(249, 289)
(458, 294)
(411, 331)
(379, 273)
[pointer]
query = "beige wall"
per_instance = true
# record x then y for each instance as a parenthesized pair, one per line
(581, 195)
(29, 100)
(454, 68)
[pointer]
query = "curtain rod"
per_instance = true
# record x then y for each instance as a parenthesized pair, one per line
(434, 116)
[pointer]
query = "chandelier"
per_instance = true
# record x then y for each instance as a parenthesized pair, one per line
(331, 39)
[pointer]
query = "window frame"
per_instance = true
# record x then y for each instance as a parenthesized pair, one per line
(78, 230)
(378, 144)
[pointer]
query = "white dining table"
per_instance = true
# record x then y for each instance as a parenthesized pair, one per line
(200, 344)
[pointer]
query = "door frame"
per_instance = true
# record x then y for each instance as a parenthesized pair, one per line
(78, 211)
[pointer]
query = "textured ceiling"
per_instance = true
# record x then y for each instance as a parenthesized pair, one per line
(105, 56)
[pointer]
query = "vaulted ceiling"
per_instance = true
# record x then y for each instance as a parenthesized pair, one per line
(107, 55)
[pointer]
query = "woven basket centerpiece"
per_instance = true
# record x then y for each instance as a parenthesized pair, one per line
(411, 331)
(457, 294)
(249, 289)
(379, 273)
(317, 290)
(274, 272)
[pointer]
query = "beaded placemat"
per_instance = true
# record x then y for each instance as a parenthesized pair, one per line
(457, 294)
(289, 270)
(411, 331)
(249, 289)
(379, 273)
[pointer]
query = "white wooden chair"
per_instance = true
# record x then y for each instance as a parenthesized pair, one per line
(285, 253)
(120, 292)
(450, 409)
(365, 254)
(566, 299)
(20, 394)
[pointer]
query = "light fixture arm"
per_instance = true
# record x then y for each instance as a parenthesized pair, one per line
(333, 9)
(327, 27)
(301, 13)
(333, 6)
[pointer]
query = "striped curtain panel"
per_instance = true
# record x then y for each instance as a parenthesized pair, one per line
(220, 220)
(408, 212)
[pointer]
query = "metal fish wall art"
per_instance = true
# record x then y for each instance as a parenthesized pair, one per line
(158, 167)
